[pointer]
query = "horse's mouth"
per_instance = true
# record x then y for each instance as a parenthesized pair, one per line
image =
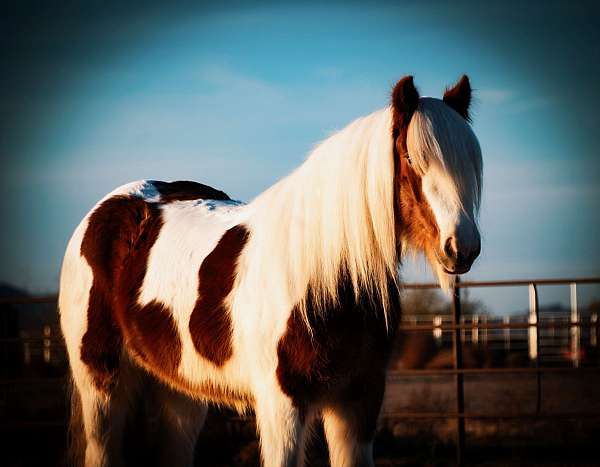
(456, 271)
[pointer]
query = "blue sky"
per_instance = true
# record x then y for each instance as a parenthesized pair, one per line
(236, 96)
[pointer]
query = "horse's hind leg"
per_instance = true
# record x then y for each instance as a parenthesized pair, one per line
(104, 412)
(98, 424)
(181, 420)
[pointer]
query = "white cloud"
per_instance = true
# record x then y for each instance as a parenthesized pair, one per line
(528, 104)
(494, 96)
(510, 101)
(224, 78)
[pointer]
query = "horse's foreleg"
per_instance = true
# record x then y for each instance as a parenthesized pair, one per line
(346, 447)
(350, 425)
(280, 429)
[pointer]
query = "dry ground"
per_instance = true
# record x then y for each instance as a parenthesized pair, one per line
(230, 442)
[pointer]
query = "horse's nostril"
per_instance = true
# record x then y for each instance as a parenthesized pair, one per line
(474, 254)
(449, 248)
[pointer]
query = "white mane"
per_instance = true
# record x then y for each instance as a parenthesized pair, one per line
(213, 286)
(336, 211)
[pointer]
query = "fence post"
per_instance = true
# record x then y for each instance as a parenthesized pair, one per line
(532, 331)
(575, 330)
(437, 329)
(534, 340)
(475, 329)
(594, 329)
(458, 365)
(484, 331)
(506, 321)
(47, 344)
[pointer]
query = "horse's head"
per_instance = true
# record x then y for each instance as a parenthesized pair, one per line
(438, 175)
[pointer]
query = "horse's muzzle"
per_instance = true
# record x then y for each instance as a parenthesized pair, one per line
(457, 258)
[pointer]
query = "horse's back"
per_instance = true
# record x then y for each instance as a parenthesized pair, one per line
(166, 192)
(131, 266)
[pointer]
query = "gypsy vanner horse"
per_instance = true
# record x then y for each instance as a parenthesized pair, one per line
(287, 305)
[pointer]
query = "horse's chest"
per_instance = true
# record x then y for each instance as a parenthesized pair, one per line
(349, 346)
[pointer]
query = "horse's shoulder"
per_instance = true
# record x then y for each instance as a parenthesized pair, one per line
(343, 341)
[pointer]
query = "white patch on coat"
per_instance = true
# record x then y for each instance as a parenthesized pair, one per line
(336, 211)
(190, 231)
(445, 152)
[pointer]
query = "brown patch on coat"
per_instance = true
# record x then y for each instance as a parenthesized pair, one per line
(210, 323)
(152, 336)
(104, 246)
(101, 344)
(116, 245)
(342, 363)
(186, 190)
(459, 97)
(414, 219)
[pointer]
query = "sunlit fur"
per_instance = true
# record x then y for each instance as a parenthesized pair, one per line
(445, 152)
(334, 213)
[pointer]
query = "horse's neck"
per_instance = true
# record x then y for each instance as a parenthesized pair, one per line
(333, 213)
(328, 177)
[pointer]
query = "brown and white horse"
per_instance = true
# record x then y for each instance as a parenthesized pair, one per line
(287, 305)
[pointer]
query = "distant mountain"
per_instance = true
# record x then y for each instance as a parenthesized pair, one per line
(31, 317)
(8, 291)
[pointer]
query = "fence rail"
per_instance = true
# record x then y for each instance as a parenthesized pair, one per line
(532, 326)
(456, 326)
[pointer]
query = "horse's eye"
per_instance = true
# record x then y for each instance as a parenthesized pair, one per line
(407, 157)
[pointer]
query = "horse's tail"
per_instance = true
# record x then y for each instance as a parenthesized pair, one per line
(75, 431)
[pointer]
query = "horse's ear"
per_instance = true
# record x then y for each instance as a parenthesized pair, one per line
(459, 97)
(405, 99)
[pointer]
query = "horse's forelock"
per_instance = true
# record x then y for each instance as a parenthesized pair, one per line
(439, 136)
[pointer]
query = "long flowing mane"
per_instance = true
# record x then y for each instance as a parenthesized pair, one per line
(288, 305)
(334, 215)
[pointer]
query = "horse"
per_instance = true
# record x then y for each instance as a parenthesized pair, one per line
(288, 305)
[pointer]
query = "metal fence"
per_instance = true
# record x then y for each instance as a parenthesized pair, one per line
(533, 327)
(458, 328)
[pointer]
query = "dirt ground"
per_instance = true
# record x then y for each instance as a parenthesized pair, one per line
(229, 441)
